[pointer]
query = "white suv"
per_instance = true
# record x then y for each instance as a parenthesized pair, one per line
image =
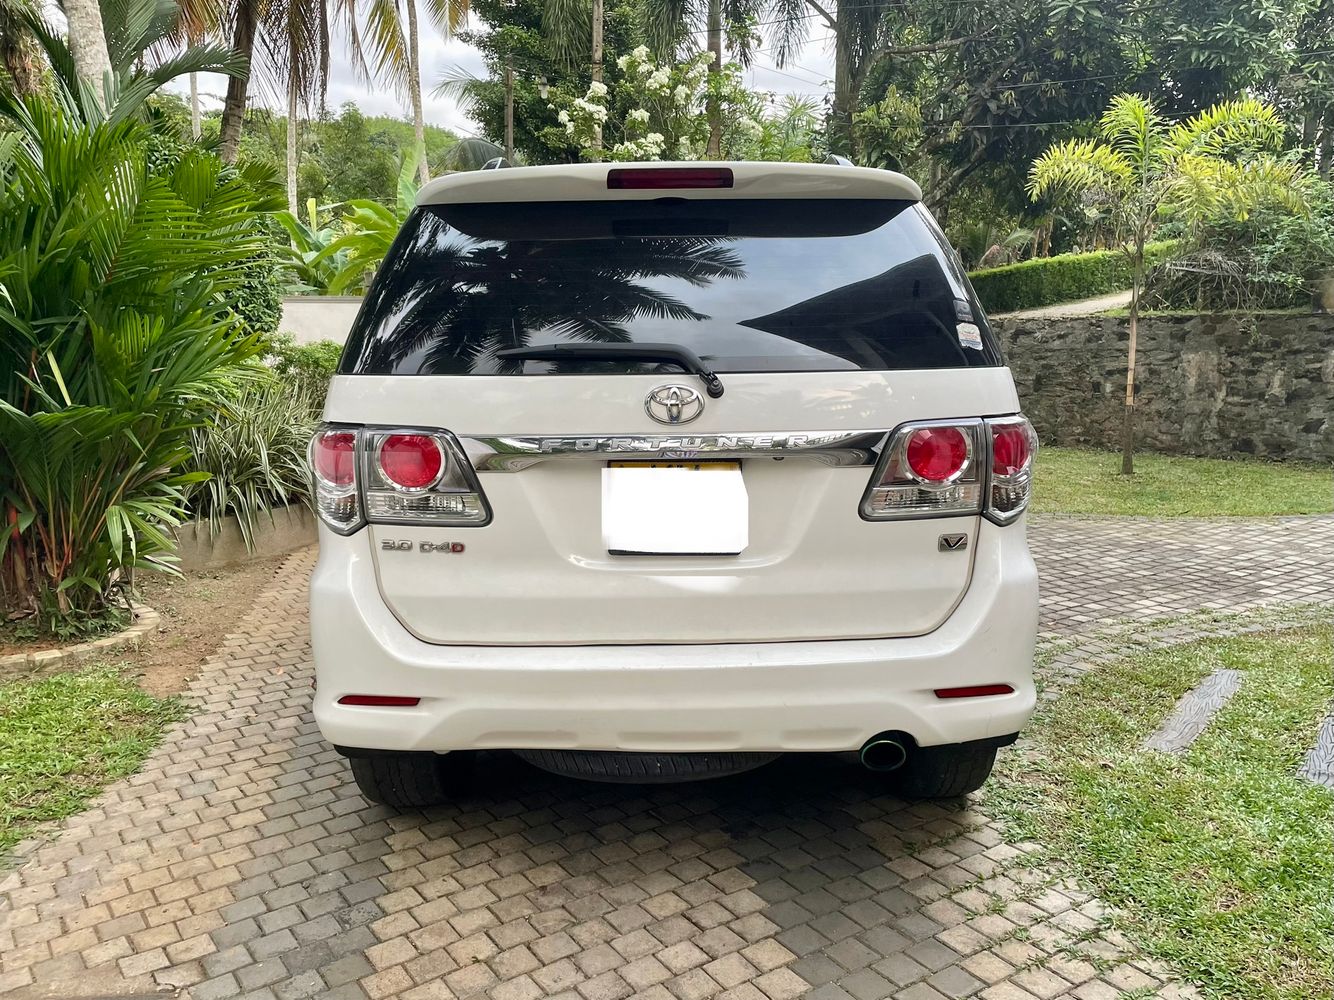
(653, 472)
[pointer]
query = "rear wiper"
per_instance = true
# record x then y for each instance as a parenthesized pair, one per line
(682, 356)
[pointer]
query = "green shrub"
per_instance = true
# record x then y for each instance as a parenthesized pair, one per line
(259, 299)
(118, 283)
(1069, 277)
(1271, 259)
(254, 457)
(305, 367)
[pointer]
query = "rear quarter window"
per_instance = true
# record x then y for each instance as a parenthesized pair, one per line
(748, 285)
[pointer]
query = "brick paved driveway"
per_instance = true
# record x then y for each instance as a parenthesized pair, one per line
(242, 861)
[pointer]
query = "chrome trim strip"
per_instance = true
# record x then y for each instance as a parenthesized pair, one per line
(510, 453)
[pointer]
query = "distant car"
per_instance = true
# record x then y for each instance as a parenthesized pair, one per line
(654, 472)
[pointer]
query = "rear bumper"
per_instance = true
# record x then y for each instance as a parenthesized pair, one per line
(805, 696)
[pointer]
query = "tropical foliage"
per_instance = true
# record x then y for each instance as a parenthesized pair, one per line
(253, 458)
(1221, 161)
(120, 266)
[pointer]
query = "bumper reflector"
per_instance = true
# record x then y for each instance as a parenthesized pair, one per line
(378, 700)
(976, 691)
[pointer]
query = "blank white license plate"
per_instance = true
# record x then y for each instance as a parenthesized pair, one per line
(674, 508)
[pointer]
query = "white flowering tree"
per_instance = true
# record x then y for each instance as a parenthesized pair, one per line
(667, 116)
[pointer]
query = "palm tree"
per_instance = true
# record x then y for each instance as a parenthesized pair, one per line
(669, 21)
(396, 55)
(18, 51)
(134, 31)
(88, 42)
(1221, 160)
(565, 23)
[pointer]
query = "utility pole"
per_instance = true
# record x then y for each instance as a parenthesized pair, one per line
(595, 68)
(509, 109)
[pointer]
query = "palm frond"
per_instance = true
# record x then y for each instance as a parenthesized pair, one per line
(1132, 127)
(1078, 166)
(1246, 125)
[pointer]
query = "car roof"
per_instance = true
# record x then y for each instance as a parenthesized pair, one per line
(588, 182)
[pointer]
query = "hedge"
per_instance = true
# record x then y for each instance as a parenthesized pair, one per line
(1068, 277)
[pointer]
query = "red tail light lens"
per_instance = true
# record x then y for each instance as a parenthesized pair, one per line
(334, 457)
(976, 691)
(378, 700)
(1010, 485)
(411, 461)
(937, 454)
(1010, 450)
(668, 179)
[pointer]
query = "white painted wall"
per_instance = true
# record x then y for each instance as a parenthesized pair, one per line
(309, 318)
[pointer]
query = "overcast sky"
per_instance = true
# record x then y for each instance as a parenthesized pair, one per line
(810, 74)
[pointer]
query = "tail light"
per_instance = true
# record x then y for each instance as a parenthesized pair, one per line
(947, 468)
(1013, 447)
(333, 464)
(391, 476)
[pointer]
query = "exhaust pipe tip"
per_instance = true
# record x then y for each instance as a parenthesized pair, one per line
(886, 752)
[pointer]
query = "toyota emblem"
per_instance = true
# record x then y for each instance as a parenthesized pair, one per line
(674, 404)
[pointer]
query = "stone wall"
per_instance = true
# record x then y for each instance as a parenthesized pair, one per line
(1207, 385)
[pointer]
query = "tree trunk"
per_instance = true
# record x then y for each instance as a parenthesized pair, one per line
(841, 137)
(715, 149)
(233, 107)
(88, 44)
(293, 106)
(509, 109)
(1128, 426)
(595, 66)
(196, 129)
(415, 91)
(1327, 145)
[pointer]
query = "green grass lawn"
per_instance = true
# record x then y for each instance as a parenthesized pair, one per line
(1221, 858)
(1077, 481)
(64, 737)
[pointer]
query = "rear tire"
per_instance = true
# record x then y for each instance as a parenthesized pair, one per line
(944, 772)
(407, 780)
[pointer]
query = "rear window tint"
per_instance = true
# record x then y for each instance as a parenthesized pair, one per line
(748, 285)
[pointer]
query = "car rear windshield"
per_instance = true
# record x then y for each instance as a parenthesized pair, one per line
(748, 285)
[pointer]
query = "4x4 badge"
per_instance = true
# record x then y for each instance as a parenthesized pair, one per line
(674, 404)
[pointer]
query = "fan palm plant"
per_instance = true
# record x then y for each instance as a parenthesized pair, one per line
(1223, 159)
(118, 272)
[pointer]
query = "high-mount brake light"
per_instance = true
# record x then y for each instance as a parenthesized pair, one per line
(951, 468)
(386, 475)
(667, 178)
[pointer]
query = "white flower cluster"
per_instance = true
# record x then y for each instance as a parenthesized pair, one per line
(596, 89)
(639, 115)
(594, 111)
(648, 148)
